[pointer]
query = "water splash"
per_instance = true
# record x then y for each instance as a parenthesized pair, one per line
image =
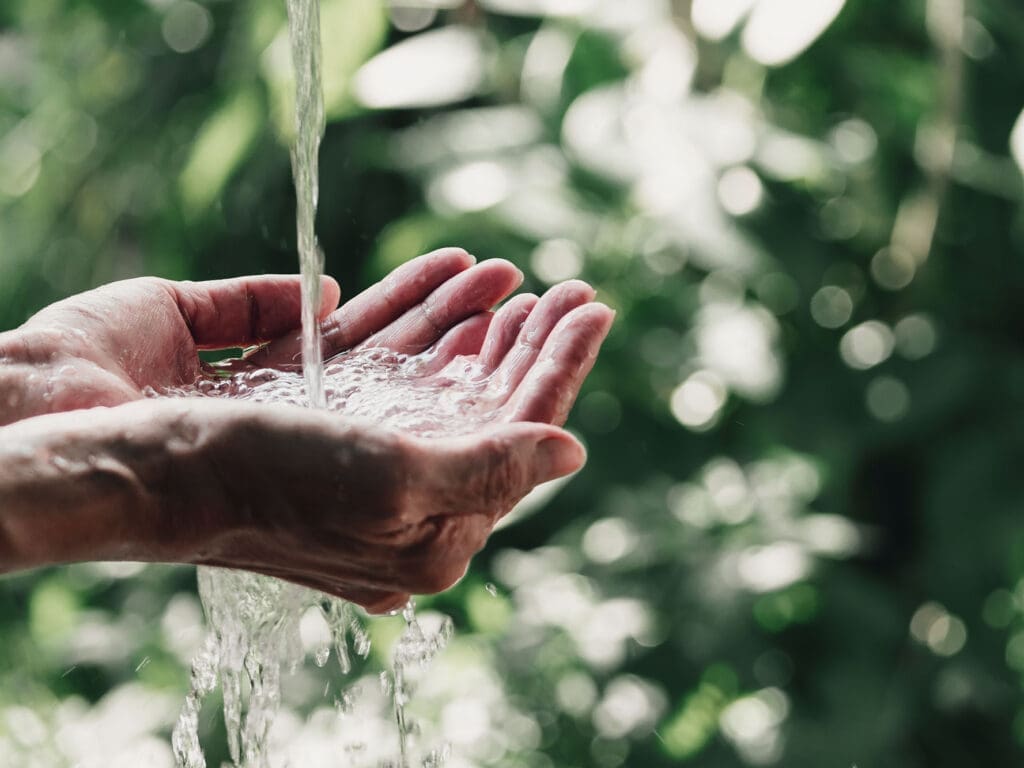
(254, 637)
(386, 387)
(414, 649)
(185, 740)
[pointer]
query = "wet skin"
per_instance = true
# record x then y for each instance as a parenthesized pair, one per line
(91, 469)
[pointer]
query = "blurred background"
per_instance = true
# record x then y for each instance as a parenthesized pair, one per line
(798, 540)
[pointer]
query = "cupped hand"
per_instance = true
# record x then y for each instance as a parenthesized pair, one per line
(106, 346)
(366, 514)
(533, 353)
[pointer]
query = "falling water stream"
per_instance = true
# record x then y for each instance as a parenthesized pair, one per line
(255, 620)
(304, 31)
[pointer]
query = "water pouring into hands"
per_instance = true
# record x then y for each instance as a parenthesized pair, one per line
(343, 505)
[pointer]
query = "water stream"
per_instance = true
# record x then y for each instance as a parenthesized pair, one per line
(255, 620)
(304, 33)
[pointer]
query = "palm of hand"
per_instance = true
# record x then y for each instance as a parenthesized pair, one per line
(107, 346)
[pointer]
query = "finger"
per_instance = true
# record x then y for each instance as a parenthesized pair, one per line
(551, 308)
(475, 290)
(488, 473)
(387, 602)
(382, 304)
(246, 310)
(464, 339)
(548, 391)
(507, 323)
(374, 308)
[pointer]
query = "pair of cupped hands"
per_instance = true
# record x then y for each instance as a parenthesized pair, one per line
(350, 508)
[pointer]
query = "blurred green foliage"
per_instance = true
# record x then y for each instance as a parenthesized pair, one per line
(798, 538)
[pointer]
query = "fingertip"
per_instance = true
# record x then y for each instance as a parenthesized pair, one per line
(452, 254)
(602, 314)
(608, 314)
(388, 604)
(524, 301)
(576, 288)
(585, 326)
(558, 456)
(330, 295)
(503, 266)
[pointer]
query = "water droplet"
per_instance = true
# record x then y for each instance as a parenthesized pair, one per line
(491, 589)
(341, 654)
(409, 612)
(344, 703)
(438, 757)
(360, 640)
(322, 655)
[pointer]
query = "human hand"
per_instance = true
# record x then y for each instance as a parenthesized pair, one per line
(363, 513)
(105, 346)
(533, 353)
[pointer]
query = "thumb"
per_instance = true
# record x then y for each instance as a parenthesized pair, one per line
(247, 310)
(499, 466)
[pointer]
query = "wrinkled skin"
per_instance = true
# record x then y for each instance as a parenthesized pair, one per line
(364, 513)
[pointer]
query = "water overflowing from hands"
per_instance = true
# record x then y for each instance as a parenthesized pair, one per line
(255, 620)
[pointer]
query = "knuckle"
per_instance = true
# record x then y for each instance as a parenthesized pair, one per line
(431, 315)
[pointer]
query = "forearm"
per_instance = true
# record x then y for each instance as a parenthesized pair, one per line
(90, 485)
